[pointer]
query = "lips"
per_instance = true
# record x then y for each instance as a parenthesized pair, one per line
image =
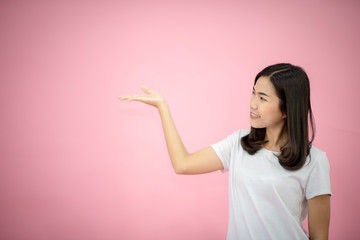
(254, 115)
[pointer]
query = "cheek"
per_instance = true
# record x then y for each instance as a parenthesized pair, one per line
(276, 115)
(273, 114)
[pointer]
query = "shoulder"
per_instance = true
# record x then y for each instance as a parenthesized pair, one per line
(241, 133)
(233, 140)
(317, 157)
(237, 135)
(316, 151)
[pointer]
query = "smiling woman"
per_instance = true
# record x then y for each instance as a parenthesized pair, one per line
(264, 108)
(276, 176)
(280, 108)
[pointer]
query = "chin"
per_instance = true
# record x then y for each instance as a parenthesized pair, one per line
(253, 125)
(258, 127)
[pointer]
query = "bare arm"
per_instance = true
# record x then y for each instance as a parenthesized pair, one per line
(319, 217)
(202, 161)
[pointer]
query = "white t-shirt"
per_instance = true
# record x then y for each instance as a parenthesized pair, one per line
(267, 201)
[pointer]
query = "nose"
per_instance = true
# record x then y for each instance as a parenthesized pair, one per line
(253, 103)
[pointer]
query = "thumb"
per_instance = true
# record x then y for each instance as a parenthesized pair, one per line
(145, 89)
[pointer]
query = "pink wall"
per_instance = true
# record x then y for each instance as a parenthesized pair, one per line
(78, 164)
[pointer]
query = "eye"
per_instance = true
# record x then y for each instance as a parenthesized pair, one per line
(263, 99)
(253, 92)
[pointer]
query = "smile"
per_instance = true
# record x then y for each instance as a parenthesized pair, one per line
(253, 115)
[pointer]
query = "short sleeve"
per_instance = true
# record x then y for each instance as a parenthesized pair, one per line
(224, 148)
(318, 182)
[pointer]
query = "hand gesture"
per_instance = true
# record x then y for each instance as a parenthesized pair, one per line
(152, 98)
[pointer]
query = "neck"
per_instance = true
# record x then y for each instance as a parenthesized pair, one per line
(275, 139)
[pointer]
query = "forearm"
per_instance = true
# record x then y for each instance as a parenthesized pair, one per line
(175, 146)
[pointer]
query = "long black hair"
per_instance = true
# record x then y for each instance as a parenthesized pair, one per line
(292, 86)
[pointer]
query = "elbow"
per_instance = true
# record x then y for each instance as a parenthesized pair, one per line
(179, 170)
(181, 164)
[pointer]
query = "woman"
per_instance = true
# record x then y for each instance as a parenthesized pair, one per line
(276, 175)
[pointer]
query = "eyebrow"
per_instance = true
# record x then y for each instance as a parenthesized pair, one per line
(261, 93)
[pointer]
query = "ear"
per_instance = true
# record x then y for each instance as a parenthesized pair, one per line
(284, 115)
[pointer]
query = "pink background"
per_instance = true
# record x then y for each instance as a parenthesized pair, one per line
(76, 163)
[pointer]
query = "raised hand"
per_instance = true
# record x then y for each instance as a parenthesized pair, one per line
(152, 98)
(203, 161)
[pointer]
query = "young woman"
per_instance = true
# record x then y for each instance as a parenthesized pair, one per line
(276, 176)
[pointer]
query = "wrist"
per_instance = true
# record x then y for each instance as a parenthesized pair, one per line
(162, 105)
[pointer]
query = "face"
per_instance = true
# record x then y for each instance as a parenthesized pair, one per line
(264, 106)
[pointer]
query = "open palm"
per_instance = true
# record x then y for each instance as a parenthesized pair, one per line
(152, 98)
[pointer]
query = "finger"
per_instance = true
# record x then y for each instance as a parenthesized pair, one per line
(130, 98)
(123, 97)
(140, 98)
(145, 89)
